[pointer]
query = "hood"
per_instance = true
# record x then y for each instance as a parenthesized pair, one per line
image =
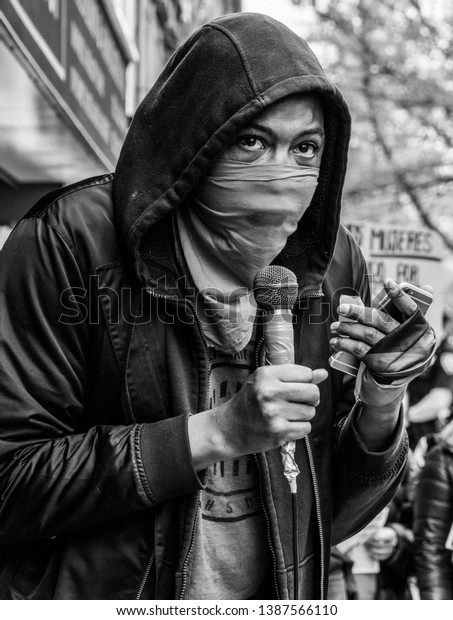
(224, 74)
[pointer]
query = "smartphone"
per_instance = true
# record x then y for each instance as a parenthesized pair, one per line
(383, 302)
(348, 363)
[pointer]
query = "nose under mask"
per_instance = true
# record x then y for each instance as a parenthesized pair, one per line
(236, 222)
(249, 210)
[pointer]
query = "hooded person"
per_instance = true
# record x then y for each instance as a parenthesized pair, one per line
(140, 425)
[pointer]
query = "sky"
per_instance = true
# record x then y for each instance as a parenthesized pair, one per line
(283, 10)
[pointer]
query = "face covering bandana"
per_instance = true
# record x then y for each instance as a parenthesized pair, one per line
(237, 221)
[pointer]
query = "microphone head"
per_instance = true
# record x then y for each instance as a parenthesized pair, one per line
(275, 288)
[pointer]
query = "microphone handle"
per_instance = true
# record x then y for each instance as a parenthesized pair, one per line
(279, 347)
(279, 338)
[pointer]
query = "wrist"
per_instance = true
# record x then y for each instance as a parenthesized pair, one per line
(384, 396)
(210, 438)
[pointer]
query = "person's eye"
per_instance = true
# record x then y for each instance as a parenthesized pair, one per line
(250, 143)
(306, 150)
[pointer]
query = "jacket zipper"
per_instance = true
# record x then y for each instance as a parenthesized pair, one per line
(145, 576)
(257, 351)
(189, 551)
(268, 530)
(318, 513)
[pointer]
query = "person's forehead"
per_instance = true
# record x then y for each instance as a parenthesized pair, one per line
(298, 108)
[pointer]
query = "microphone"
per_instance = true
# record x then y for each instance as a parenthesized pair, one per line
(276, 290)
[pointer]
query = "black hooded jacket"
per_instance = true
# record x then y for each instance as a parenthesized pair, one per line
(102, 358)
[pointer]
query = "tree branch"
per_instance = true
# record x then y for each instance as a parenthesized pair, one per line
(401, 179)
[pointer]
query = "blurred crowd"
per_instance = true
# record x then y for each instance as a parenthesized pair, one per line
(407, 551)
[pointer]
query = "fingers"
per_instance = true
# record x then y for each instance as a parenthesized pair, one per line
(288, 384)
(286, 421)
(305, 392)
(354, 338)
(366, 326)
(299, 412)
(287, 396)
(368, 316)
(319, 375)
(358, 348)
(295, 431)
(368, 333)
(288, 373)
(402, 300)
(292, 423)
(297, 393)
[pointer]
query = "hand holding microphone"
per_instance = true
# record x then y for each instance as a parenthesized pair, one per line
(274, 406)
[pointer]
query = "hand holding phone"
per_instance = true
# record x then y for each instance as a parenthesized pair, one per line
(349, 364)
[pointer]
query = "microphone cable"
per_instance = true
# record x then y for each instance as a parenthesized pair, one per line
(295, 524)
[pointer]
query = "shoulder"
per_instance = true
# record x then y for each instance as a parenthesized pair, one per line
(348, 266)
(82, 216)
(346, 242)
(347, 251)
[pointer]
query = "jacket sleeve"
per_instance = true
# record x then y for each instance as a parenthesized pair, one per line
(57, 474)
(363, 482)
(433, 518)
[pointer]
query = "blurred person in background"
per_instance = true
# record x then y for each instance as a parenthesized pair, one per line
(139, 424)
(431, 394)
(341, 585)
(392, 546)
(377, 563)
(433, 519)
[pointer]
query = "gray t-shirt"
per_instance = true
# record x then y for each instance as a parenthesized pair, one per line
(231, 555)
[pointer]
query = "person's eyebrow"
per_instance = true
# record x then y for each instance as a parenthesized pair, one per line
(314, 130)
(258, 127)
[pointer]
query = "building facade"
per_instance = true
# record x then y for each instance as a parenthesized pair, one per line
(72, 73)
